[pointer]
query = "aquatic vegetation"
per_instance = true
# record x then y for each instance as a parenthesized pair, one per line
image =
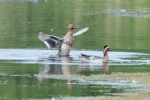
(138, 83)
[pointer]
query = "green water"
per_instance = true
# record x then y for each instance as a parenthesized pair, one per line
(21, 21)
(19, 81)
(124, 25)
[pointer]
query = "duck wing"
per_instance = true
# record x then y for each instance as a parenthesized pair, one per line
(50, 40)
(84, 55)
(97, 57)
(90, 56)
(84, 58)
(80, 31)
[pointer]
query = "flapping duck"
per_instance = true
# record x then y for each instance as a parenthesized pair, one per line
(64, 43)
(96, 59)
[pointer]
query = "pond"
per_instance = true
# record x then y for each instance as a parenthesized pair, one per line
(32, 74)
(29, 71)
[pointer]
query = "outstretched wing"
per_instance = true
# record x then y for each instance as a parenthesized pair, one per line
(81, 31)
(50, 40)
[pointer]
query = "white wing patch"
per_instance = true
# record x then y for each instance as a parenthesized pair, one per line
(47, 44)
(81, 31)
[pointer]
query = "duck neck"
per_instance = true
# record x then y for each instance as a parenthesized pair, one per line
(69, 33)
(105, 58)
(70, 29)
(105, 53)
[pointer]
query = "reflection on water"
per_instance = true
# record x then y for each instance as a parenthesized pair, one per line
(27, 74)
(67, 69)
(62, 69)
(113, 23)
(105, 68)
(48, 76)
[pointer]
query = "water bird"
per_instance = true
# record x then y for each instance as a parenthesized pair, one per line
(65, 44)
(96, 59)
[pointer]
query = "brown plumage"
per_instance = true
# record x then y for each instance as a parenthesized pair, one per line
(96, 59)
(64, 43)
(68, 41)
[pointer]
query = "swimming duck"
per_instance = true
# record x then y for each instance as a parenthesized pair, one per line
(96, 59)
(64, 43)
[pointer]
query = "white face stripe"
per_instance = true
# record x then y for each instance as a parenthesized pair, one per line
(106, 49)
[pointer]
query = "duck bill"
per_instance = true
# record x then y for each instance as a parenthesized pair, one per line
(75, 27)
(110, 50)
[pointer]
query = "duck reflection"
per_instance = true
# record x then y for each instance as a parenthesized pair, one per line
(48, 69)
(93, 67)
(105, 68)
(67, 69)
(57, 69)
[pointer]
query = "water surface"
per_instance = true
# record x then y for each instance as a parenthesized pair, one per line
(32, 73)
(28, 70)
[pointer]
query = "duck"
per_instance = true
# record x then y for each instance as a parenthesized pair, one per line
(65, 44)
(96, 59)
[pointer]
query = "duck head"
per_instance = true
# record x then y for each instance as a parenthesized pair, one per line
(106, 49)
(71, 27)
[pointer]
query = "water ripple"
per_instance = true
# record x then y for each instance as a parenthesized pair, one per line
(33, 56)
